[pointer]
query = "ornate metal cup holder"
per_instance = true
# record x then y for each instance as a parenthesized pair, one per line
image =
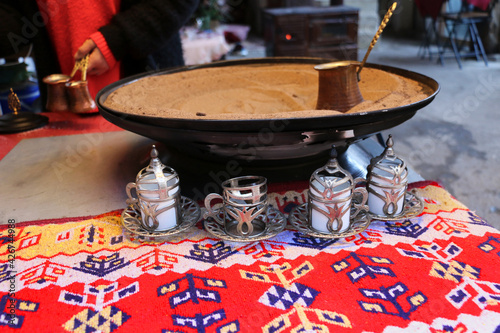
(413, 206)
(275, 223)
(299, 219)
(190, 215)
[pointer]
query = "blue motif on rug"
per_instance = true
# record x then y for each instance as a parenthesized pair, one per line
(102, 265)
(210, 253)
(199, 322)
(284, 298)
(474, 219)
(390, 295)
(6, 273)
(12, 310)
(190, 291)
(363, 269)
(489, 245)
(299, 239)
(405, 229)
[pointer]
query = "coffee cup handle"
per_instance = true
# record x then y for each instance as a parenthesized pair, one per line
(359, 198)
(131, 199)
(210, 211)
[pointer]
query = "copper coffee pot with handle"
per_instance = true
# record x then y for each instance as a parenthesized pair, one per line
(79, 97)
(338, 87)
(66, 95)
(57, 99)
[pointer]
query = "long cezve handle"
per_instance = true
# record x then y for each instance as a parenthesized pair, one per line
(386, 19)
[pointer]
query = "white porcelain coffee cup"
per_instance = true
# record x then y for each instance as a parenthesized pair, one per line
(159, 211)
(330, 212)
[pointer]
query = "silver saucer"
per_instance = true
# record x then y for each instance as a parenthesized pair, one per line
(275, 224)
(190, 215)
(299, 218)
(413, 206)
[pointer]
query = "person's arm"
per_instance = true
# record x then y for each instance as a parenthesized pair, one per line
(144, 27)
(138, 31)
(101, 59)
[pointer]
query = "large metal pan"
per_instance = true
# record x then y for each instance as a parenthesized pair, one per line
(264, 141)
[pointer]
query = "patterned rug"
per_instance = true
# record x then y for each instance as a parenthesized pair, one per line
(438, 272)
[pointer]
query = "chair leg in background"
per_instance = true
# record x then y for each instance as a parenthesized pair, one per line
(473, 38)
(475, 32)
(451, 38)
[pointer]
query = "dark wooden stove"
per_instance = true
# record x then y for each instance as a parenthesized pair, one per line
(325, 32)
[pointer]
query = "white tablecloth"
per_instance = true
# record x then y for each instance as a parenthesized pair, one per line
(203, 47)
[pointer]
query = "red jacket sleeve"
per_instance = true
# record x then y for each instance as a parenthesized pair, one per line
(99, 40)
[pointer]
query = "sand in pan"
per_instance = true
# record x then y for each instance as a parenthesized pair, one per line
(254, 92)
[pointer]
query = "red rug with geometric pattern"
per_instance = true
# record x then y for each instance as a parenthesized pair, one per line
(437, 272)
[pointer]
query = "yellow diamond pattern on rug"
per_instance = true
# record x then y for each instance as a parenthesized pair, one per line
(107, 320)
(454, 271)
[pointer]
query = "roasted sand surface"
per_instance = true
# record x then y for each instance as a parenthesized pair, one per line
(254, 92)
